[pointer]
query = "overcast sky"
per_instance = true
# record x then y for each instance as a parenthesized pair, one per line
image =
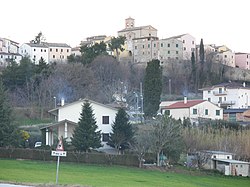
(216, 21)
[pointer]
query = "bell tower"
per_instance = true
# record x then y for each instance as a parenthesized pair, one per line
(129, 23)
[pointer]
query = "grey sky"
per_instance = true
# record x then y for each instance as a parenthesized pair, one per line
(216, 21)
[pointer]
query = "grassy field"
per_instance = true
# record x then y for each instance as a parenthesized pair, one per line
(34, 172)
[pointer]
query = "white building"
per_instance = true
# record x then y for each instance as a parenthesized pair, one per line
(228, 95)
(8, 46)
(68, 116)
(194, 110)
(35, 52)
(6, 58)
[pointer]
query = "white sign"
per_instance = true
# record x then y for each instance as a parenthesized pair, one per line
(59, 153)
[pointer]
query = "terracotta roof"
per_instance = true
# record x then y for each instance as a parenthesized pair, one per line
(181, 104)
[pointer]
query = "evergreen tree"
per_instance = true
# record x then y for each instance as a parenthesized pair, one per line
(152, 88)
(202, 52)
(122, 132)
(85, 135)
(8, 131)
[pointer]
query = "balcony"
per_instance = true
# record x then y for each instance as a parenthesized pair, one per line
(227, 103)
(220, 92)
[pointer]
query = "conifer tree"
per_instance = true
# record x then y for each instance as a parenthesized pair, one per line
(85, 135)
(152, 88)
(8, 131)
(122, 132)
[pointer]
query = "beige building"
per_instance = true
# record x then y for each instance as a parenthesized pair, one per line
(136, 37)
(58, 52)
(170, 48)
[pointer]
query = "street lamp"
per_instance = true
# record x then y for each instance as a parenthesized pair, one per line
(55, 101)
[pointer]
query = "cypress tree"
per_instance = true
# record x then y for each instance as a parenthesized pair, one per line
(152, 88)
(85, 135)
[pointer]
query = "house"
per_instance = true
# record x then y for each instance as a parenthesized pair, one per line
(49, 52)
(35, 52)
(6, 58)
(188, 45)
(228, 95)
(240, 116)
(58, 52)
(242, 60)
(223, 162)
(9, 51)
(67, 117)
(145, 49)
(170, 48)
(195, 110)
(8, 46)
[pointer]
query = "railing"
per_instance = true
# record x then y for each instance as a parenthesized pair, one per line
(227, 102)
(220, 92)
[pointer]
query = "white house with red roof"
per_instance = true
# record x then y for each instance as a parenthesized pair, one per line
(193, 109)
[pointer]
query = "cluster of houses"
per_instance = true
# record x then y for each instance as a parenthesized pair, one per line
(141, 45)
(228, 101)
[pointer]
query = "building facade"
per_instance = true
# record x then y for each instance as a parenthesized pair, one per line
(170, 48)
(242, 60)
(228, 95)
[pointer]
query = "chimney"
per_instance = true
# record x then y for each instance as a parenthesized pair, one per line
(185, 99)
(62, 101)
(244, 84)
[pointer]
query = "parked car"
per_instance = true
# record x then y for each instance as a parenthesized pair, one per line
(38, 144)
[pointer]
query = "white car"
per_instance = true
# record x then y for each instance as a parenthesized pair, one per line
(38, 144)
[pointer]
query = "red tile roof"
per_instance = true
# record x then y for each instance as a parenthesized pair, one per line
(181, 104)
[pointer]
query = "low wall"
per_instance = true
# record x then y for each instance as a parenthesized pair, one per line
(91, 158)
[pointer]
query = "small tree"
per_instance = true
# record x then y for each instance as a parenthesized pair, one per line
(166, 135)
(85, 135)
(116, 44)
(122, 131)
(8, 131)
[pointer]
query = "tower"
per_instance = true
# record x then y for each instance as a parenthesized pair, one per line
(129, 23)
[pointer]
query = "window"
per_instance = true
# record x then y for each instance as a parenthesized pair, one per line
(34, 56)
(206, 112)
(135, 47)
(168, 52)
(214, 156)
(105, 119)
(1, 56)
(220, 90)
(168, 45)
(184, 48)
(161, 44)
(176, 45)
(143, 46)
(154, 45)
(192, 42)
(225, 56)
(105, 137)
(217, 112)
(167, 112)
(67, 50)
(176, 52)
(54, 56)
(227, 157)
(50, 50)
(177, 58)
(208, 91)
(61, 50)
(209, 99)
(183, 41)
(148, 45)
(194, 111)
(41, 50)
(44, 50)
(34, 49)
(56, 50)
(232, 117)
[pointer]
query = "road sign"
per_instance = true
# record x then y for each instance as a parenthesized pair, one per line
(60, 145)
(59, 153)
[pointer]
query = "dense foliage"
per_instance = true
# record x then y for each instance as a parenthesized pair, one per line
(85, 135)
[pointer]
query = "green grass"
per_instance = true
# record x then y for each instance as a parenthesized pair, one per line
(36, 172)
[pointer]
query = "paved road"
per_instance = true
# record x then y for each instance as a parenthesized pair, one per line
(12, 185)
